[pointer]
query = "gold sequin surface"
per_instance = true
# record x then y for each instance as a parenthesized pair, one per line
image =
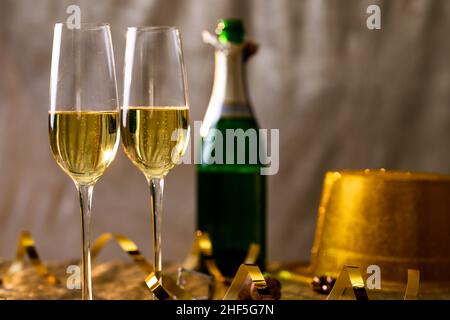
(396, 220)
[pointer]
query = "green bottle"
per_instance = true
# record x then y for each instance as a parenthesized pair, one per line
(231, 195)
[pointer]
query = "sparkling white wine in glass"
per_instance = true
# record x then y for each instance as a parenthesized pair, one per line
(83, 143)
(83, 118)
(155, 138)
(155, 114)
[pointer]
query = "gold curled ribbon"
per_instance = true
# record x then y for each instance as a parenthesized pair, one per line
(350, 276)
(292, 276)
(202, 251)
(257, 279)
(155, 286)
(165, 288)
(202, 246)
(252, 254)
(412, 286)
(127, 245)
(26, 247)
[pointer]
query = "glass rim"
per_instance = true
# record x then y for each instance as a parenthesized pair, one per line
(153, 28)
(85, 25)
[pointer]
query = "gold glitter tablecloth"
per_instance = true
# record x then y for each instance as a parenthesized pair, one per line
(124, 280)
(111, 280)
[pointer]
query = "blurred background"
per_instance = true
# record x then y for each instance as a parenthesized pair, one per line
(342, 96)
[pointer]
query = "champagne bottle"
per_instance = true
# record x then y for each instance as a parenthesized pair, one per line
(231, 197)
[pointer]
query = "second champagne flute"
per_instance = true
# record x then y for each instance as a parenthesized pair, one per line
(155, 112)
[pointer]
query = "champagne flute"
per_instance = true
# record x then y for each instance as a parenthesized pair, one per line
(155, 113)
(84, 116)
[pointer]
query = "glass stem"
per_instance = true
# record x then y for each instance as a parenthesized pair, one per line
(85, 193)
(156, 199)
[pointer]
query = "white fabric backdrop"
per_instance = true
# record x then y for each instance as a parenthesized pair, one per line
(342, 96)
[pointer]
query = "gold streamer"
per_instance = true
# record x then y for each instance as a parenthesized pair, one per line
(257, 279)
(252, 254)
(412, 286)
(201, 247)
(27, 247)
(155, 286)
(202, 251)
(411, 292)
(165, 288)
(292, 276)
(126, 245)
(350, 276)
